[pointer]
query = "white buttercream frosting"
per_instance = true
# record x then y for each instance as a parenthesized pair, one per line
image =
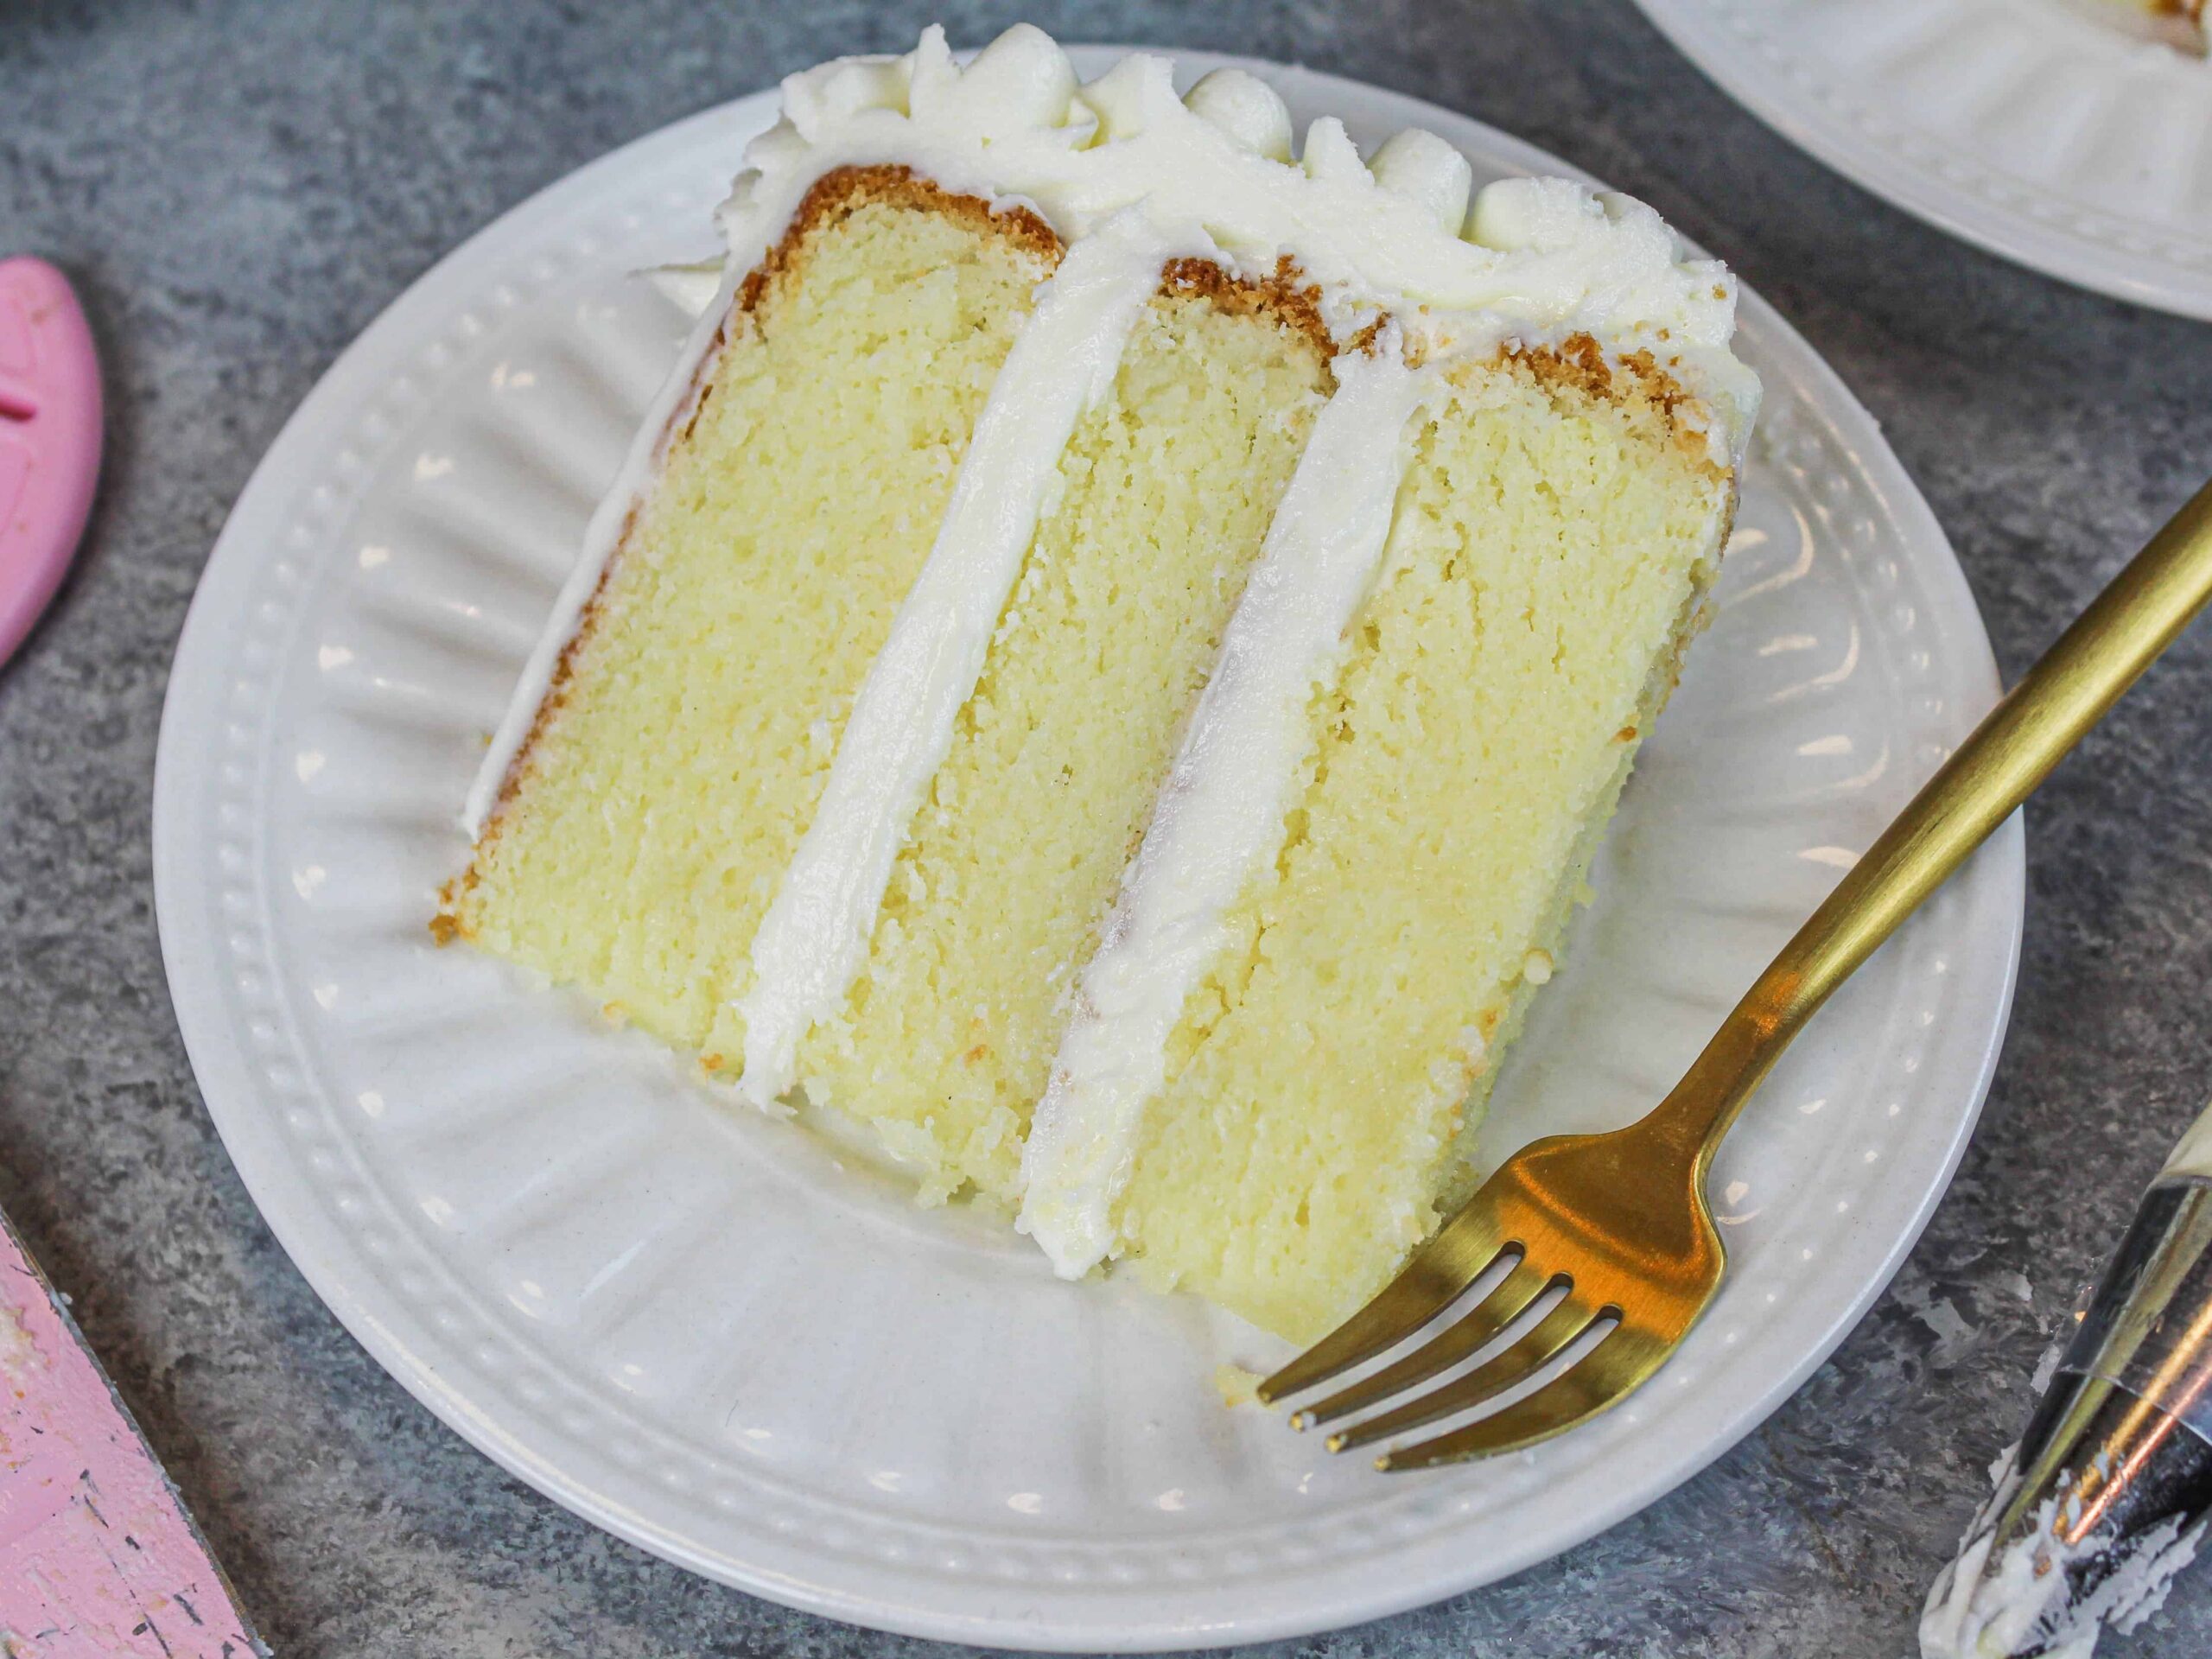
(1245, 110)
(1533, 261)
(1220, 813)
(814, 938)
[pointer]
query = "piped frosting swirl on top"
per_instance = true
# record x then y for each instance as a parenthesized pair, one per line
(1522, 261)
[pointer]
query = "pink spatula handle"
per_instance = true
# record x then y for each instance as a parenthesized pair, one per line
(98, 1558)
(49, 439)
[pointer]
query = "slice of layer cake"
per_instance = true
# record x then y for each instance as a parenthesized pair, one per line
(1111, 662)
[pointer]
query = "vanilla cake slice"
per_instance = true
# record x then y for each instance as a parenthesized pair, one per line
(1111, 659)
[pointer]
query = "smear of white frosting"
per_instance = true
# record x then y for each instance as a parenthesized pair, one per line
(1220, 813)
(1986, 1607)
(1975, 1611)
(814, 939)
(1533, 261)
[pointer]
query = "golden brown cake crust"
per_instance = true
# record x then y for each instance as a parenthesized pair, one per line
(842, 191)
(1578, 363)
(1292, 303)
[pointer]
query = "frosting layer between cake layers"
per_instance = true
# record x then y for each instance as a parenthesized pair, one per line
(1409, 278)
(814, 937)
(1222, 808)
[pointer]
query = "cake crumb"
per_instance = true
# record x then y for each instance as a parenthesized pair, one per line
(1238, 1387)
(19, 1355)
(444, 930)
(617, 1014)
(1536, 967)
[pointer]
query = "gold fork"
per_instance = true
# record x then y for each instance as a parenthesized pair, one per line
(1618, 1222)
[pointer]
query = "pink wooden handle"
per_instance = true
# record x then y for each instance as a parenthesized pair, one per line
(98, 1558)
(49, 439)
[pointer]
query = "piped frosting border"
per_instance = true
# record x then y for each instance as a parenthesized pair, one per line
(1532, 261)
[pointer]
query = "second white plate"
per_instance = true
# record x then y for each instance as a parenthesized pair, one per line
(744, 1349)
(2020, 125)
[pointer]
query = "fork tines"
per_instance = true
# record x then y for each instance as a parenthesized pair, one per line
(1439, 1273)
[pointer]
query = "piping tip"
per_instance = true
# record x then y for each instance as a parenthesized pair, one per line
(2104, 1500)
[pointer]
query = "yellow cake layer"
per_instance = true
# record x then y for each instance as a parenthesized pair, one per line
(1550, 543)
(680, 759)
(1164, 495)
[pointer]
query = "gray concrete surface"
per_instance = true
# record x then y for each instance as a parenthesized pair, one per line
(239, 189)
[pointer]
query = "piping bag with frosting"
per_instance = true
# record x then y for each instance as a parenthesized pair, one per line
(97, 1557)
(2109, 1491)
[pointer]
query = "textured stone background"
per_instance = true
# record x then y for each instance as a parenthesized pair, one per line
(239, 189)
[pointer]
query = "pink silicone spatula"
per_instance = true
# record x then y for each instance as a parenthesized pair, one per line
(97, 1557)
(49, 439)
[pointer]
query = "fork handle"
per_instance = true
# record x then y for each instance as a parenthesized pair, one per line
(2012, 751)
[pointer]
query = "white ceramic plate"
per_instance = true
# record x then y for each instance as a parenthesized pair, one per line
(2037, 131)
(745, 1348)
